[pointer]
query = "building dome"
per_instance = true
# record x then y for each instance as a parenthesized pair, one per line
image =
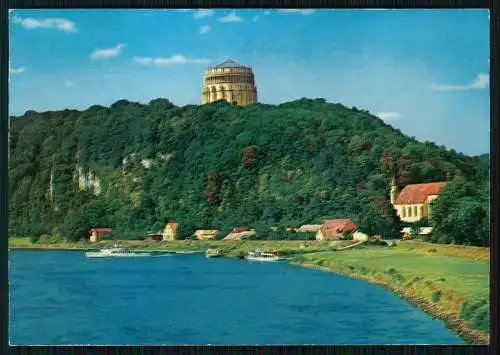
(229, 81)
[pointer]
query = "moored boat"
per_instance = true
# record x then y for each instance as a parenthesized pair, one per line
(258, 255)
(115, 252)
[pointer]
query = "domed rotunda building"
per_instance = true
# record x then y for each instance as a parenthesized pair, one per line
(229, 81)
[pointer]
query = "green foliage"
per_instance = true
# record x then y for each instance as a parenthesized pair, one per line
(436, 296)
(185, 230)
(461, 213)
(477, 312)
(378, 217)
(50, 239)
(217, 166)
(391, 270)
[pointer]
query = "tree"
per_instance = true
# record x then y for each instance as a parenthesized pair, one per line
(185, 230)
(380, 218)
(218, 166)
(460, 215)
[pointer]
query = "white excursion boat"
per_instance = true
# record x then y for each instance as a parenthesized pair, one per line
(115, 252)
(258, 255)
(213, 253)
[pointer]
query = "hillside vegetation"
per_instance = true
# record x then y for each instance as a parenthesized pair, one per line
(134, 167)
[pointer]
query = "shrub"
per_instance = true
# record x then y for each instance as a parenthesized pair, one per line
(469, 309)
(34, 238)
(347, 236)
(481, 318)
(432, 250)
(391, 270)
(436, 296)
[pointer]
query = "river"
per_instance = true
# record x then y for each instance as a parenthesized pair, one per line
(60, 297)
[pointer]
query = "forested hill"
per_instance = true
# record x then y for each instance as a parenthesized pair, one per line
(133, 167)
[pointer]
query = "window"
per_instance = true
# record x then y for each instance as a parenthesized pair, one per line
(422, 211)
(409, 211)
(404, 212)
(415, 211)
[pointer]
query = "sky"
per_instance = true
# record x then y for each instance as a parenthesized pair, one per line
(425, 72)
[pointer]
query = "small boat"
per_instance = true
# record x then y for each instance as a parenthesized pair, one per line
(115, 252)
(213, 253)
(258, 255)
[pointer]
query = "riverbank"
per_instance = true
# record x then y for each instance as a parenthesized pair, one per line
(450, 283)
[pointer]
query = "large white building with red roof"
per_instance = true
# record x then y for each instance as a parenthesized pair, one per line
(412, 203)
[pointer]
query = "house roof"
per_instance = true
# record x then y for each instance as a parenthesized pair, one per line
(310, 228)
(229, 64)
(172, 225)
(240, 229)
(206, 231)
(240, 235)
(418, 193)
(333, 227)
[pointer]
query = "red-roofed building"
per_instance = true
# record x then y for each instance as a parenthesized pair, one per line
(170, 231)
(335, 228)
(240, 229)
(413, 202)
(96, 233)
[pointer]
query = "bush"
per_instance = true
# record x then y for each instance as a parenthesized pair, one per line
(347, 236)
(391, 270)
(469, 309)
(436, 296)
(34, 238)
(481, 319)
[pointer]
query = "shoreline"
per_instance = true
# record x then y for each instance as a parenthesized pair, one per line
(452, 320)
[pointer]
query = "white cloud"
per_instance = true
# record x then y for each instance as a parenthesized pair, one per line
(16, 71)
(482, 81)
(202, 13)
(388, 115)
(304, 12)
(60, 24)
(175, 59)
(255, 18)
(204, 29)
(107, 53)
(232, 17)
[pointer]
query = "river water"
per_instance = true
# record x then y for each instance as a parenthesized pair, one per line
(60, 297)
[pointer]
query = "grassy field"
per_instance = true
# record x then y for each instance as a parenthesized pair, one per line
(448, 282)
(466, 252)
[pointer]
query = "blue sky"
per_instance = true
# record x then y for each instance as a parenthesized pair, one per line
(425, 72)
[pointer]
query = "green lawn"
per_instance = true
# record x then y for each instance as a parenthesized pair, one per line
(465, 278)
